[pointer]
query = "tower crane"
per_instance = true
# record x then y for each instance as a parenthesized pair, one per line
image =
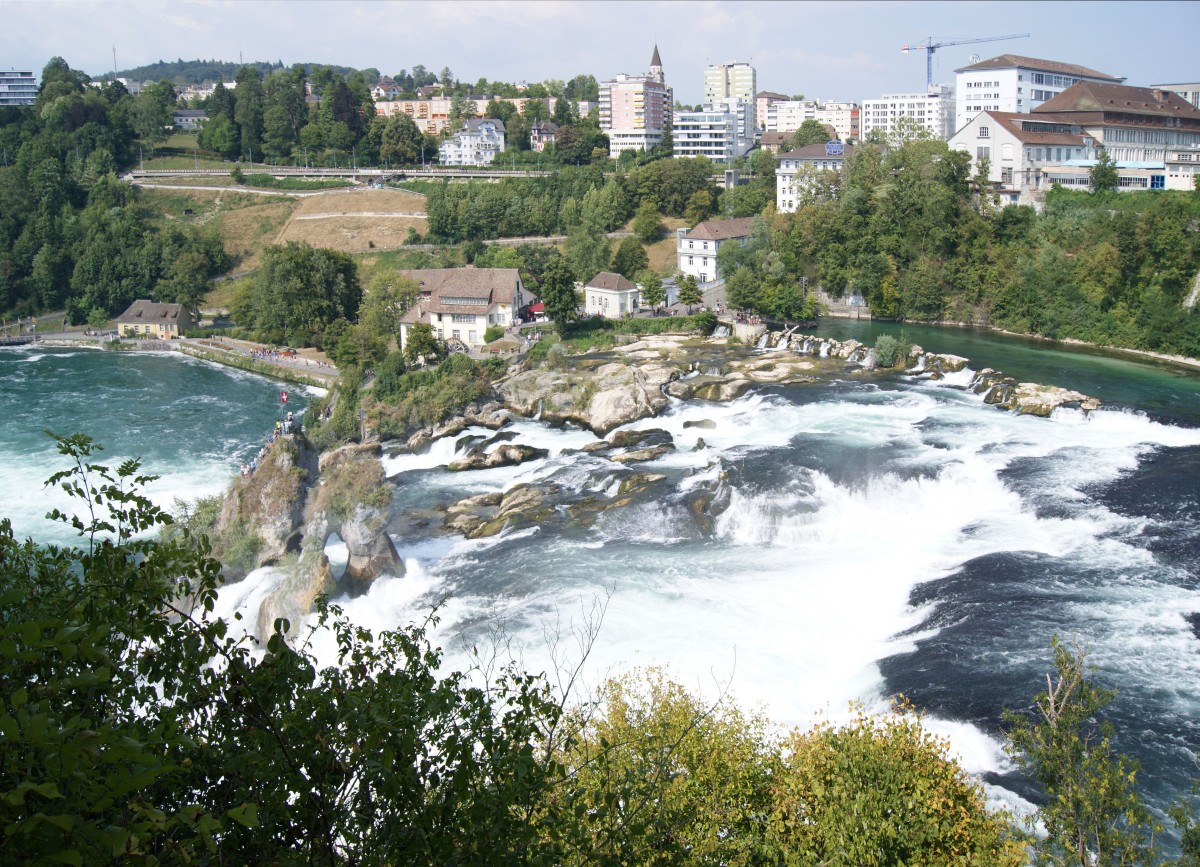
(929, 46)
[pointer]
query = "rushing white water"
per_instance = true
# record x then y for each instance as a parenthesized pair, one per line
(842, 503)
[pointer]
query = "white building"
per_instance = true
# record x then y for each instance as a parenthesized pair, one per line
(721, 132)
(1152, 135)
(610, 295)
(18, 88)
(844, 117)
(475, 144)
(460, 303)
(1190, 92)
(1012, 83)
(933, 109)
(798, 167)
(788, 114)
(733, 80)
(697, 248)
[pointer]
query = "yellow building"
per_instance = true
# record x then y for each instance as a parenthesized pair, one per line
(151, 319)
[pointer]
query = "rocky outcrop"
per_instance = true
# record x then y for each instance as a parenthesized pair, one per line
(261, 514)
(490, 415)
(350, 499)
(519, 507)
(1027, 398)
(506, 455)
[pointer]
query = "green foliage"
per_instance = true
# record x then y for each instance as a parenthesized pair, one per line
(1093, 815)
(558, 293)
(881, 791)
(298, 292)
(887, 350)
(811, 132)
(1103, 175)
(422, 344)
(653, 294)
(405, 401)
(274, 183)
(493, 332)
(689, 291)
(647, 224)
(630, 258)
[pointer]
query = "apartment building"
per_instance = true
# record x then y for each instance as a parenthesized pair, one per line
(720, 132)
(932, 109)
(762, 102)
(844, 117)
(733, 80)
(18, 88)
(634, 109)
(786, 115)
(475, 144)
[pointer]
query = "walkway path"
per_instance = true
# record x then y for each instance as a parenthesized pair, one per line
(235, 189)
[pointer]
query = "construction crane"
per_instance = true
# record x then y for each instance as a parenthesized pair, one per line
(929, 46)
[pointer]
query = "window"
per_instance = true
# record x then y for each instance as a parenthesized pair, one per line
(983, 153)
(1158, 182)
(1006, 176)
(984, 132)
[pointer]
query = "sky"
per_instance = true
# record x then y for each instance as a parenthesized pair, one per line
(833, 50)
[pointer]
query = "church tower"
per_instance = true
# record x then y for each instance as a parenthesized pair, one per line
(656, 70)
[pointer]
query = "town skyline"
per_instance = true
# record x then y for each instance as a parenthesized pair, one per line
(790, 45)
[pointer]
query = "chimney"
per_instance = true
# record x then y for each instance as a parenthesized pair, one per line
(1159, 95)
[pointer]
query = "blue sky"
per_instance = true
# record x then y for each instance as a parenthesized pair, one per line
(829, 50)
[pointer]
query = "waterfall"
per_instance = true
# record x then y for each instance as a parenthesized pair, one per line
(781, 343)
(806, 348)
(762, 341)
(824, 351)
(721, 331)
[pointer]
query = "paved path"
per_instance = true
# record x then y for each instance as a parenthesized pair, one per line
(331, 214)
(234, 189)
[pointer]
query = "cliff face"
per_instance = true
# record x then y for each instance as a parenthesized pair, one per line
(260, 518)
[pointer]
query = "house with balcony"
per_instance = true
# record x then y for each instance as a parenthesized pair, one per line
(610, 295)
(460, 303)
(696, 248)
(475, 144)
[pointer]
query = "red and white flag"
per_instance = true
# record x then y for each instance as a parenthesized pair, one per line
(283, 397)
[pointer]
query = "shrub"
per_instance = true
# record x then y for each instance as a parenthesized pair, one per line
(494, 332)
(887, 350)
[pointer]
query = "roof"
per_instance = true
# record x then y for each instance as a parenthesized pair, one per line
(151, 311)
(1008, 61)
(544, 126)
(775, 138)
(474, 123)
(655, 60)
(1012, 122)
(1093, 96)
(491, 285)
(721, 230)
(612, 282)
(189, 112)
(769, 94)
(817, 152)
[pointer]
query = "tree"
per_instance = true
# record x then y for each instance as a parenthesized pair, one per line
(652, 294)
(298, 290)
(558, 293)
(421, 344)
(810, 132)
(1103, 175)
(699, 206)
(152, 113)
(388, 297)
(630, 258)
(647, 223)
(402, 140)
(1093, 815)
(881, 790)
(689, 291)
(248, 110)
(587, 246)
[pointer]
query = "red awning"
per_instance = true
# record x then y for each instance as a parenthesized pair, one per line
(537, 308)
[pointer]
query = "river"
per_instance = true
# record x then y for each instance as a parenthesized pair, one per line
(883, 535)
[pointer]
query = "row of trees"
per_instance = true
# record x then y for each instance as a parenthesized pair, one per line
(71, 233)
(919, 237)
(140, 728)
